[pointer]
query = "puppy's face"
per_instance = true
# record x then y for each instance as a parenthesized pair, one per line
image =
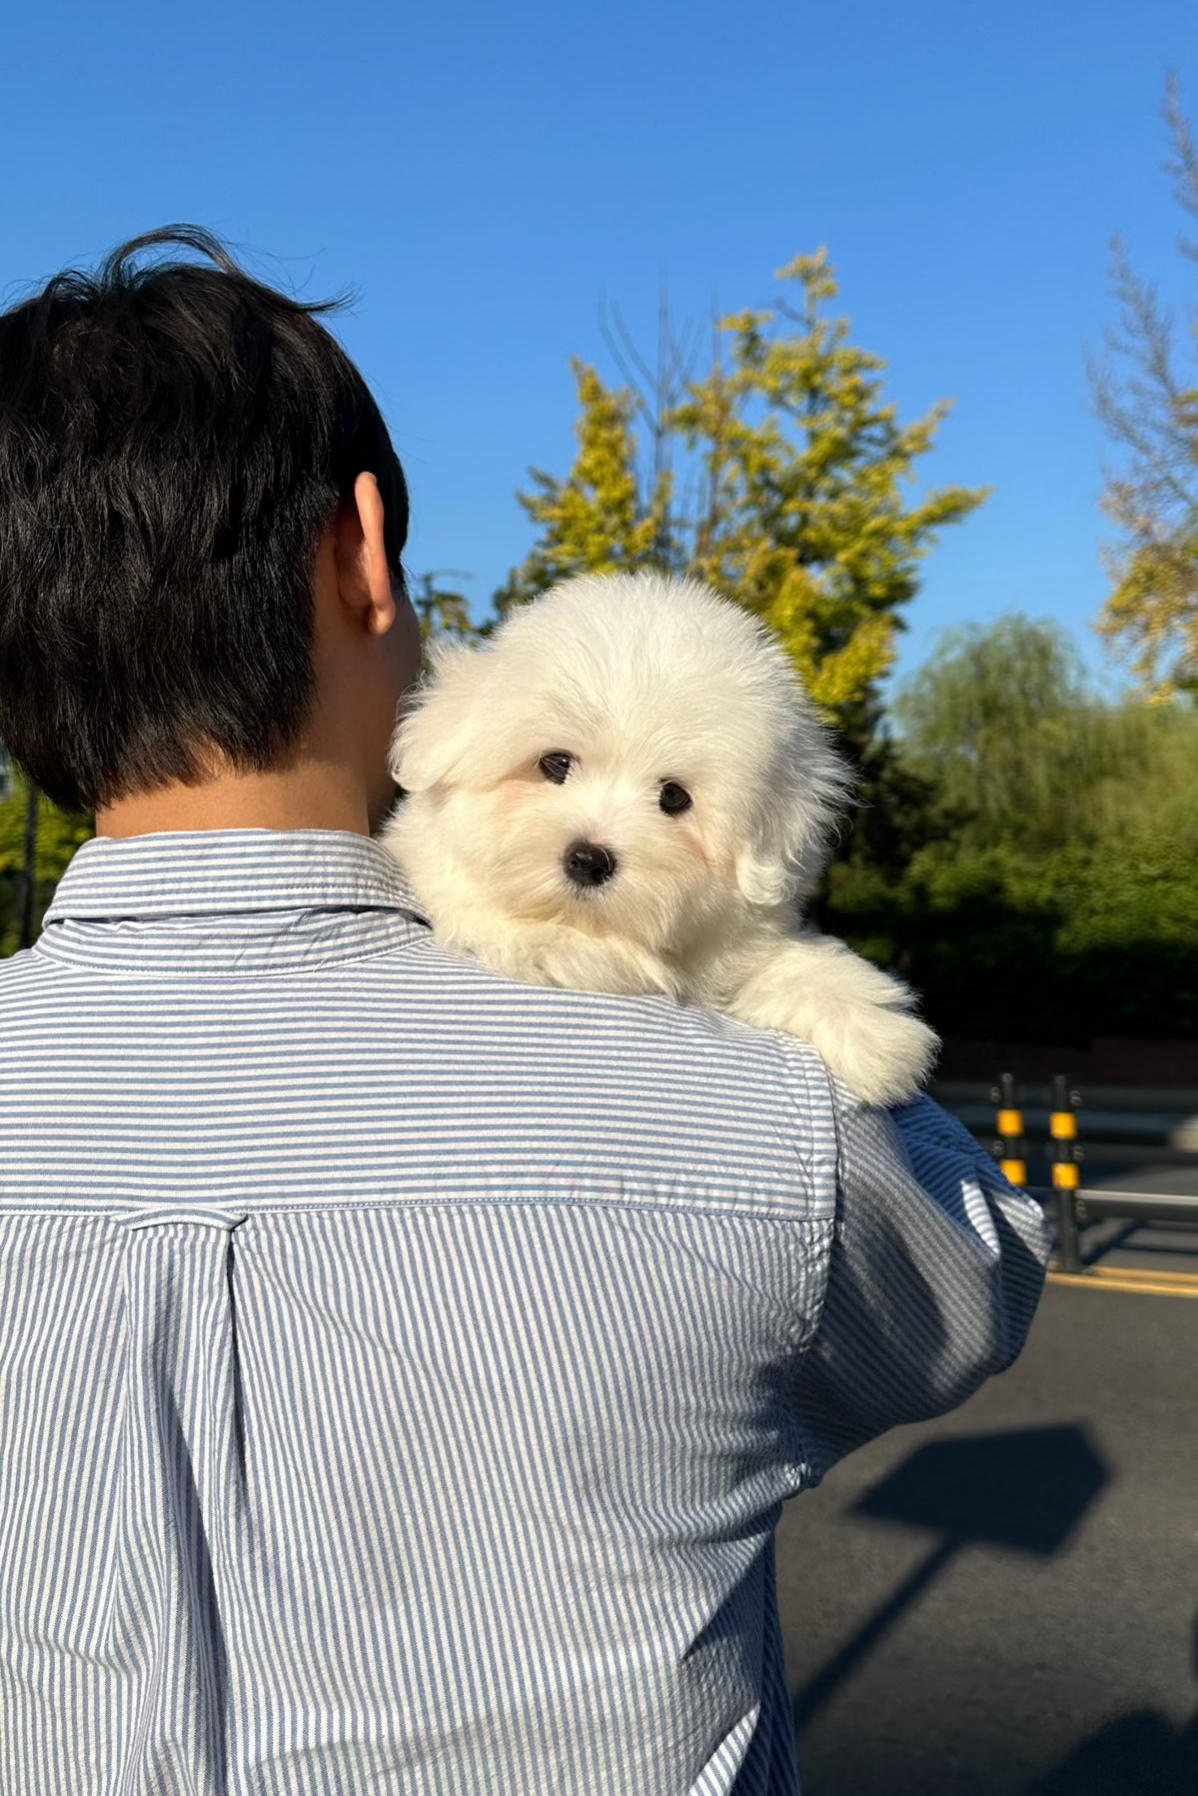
(629, 756)
(601, 829)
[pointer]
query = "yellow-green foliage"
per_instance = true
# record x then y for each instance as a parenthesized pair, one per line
(1152, 609)
(797, 508)
(595, 521)
(804, 517)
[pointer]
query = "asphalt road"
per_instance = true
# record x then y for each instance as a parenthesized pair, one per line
(1005, 1602)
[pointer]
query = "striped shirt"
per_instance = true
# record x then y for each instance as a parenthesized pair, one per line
(401, 1369)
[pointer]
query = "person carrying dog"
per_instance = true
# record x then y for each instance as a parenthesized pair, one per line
(401, 1369)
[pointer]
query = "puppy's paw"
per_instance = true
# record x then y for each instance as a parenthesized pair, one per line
(883, 1055)
(857, 1017)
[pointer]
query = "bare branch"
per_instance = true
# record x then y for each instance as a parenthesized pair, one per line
(622, 348)
(1183, 163)
(1148, 405)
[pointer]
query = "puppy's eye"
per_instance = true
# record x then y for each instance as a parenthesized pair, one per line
(674, 798)
(556, 766)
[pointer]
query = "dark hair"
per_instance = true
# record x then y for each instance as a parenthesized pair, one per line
(174, 440)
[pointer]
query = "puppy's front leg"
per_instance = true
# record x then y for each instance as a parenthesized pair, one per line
(551, 954)
(857, 1017)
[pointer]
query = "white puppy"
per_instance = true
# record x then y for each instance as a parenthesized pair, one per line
(625, 789)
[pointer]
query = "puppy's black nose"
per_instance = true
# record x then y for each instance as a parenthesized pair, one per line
(587, 864)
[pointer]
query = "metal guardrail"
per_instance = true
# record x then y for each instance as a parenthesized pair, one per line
(1076, 1205)
(1084, 1205)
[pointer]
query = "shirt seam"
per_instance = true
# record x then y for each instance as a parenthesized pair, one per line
(181, 970)
(806, 1329)
(814, 1217)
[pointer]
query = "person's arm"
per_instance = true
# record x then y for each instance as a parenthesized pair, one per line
(937, 1267)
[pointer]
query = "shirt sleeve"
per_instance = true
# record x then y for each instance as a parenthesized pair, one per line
(936, 1270)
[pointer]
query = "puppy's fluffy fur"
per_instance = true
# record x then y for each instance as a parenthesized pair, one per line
(638, 688)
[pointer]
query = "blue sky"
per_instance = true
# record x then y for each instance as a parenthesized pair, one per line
(483, 175)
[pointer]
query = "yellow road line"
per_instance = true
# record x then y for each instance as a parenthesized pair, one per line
(1124, 1278)
(1145, 1275)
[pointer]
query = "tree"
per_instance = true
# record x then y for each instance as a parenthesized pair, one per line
(597, 520)
(1149, 406)
(1001, 721)
(802, 515)
(442, 612)
(790, 499)
(1056, 896)
(58, 836)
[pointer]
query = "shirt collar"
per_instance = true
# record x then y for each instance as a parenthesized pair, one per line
(220, 902)
(227, 872)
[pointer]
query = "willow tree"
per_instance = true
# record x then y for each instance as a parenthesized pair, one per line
(783, 482)
(1002, 722)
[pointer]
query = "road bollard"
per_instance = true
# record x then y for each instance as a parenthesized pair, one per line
(1065, 1153)
(1008, 1149)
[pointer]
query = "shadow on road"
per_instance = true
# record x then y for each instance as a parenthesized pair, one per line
(1141, 1754)
(1026, 1490)
(1137, 1755)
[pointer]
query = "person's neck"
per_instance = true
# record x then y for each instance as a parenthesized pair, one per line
(310, 795)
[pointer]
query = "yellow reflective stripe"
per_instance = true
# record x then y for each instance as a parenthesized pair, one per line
(1116, 1278)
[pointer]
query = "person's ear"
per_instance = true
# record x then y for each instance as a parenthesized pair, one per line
(360, 554)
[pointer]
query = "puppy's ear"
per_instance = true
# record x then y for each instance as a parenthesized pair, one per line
(764, 879)
(440, 723)
(783, 856)
(791, 832)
